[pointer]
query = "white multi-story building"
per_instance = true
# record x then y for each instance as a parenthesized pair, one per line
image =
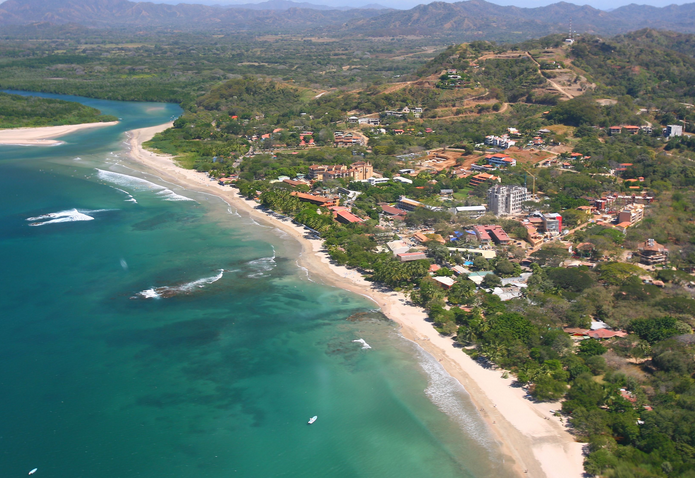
(502, 142)
(673, 130)
(506, 200)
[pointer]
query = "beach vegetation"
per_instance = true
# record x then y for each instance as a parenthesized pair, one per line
(17, 111)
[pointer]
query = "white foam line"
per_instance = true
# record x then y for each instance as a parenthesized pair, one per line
(306, 271)
(140, 184)
(130, 196)
(170, 291)
(442, 390)
(69, 215)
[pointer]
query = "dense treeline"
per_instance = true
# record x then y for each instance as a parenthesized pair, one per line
(180, 67)
(648, 72)
(18, 111)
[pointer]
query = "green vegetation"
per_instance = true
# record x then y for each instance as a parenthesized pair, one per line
(30, 111)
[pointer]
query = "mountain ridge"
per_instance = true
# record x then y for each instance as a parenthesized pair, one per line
(466, 20)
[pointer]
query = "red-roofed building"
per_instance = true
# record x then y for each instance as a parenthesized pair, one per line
(495, 233)
(292, 183)
(346, 217)
(317, 200)
(392, 211)
(483, 178)
(606, 334)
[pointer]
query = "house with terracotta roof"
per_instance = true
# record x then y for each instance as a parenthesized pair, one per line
(420, 237)
(603, 334)
(317, 200)
(346, 217)
(392, 211)
(496, 234)
(483, 178)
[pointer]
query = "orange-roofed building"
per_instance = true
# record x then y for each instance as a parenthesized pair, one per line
(346, 217)
(317, 200)
(483, 178)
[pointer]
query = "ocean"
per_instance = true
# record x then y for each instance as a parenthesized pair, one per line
(148, 330)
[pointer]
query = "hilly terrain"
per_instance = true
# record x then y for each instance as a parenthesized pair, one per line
(462, 21)
(123, 13)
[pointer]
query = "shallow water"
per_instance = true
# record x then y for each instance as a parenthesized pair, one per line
(147, 330)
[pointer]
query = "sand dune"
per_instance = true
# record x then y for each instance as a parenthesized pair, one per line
(537, 442)
(44, 136)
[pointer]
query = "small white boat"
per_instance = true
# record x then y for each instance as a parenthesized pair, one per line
(313, 419)
(33, 471)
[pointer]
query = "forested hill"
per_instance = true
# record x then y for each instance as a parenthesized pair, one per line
(123, 13)
(468, 20)
(478, 19)
(29, 111)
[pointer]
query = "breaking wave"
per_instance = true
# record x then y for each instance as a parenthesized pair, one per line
(365, 345)
(70, 215)
(261, 267)
(164, 292)
(140, 184)
(130, 196)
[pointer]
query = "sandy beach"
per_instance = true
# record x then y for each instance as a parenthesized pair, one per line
(44, 136)
(538, 442)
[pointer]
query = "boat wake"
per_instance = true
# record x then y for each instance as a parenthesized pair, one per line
(140, 184)
(165, 292)
(70, 215)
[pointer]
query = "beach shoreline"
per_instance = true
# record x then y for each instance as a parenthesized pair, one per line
(44, 135)
(538, 442)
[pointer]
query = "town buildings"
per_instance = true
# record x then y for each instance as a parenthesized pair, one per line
(317, 200)
(632, 214)
(502, 142)
(409, 204)
(500, 160)
(552, 223)
(347, 139)
(506, 200)
(483, 178)
(651, 252)
(487, 234)
(357, 171)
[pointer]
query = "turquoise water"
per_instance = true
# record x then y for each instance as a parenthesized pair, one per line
(151, 331)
